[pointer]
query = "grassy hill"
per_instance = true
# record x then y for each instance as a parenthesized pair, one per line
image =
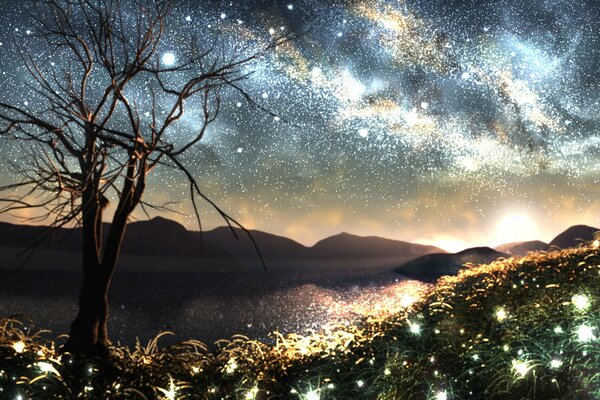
(524, 328)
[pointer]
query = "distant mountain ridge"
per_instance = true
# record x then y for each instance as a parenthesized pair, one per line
(353, 245)
(570, 237)
(163, 237)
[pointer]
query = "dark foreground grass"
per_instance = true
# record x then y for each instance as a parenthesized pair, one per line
(515, 329)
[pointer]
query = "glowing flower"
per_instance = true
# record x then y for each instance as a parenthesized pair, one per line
(501, 314)
(520, 367)
(47, 368)
(169, 394)
(414, 327)
(18, 346)
(312, 395)
(251, 394)
(585, 333)
(581, 302)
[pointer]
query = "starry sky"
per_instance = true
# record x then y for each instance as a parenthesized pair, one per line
(450, 122)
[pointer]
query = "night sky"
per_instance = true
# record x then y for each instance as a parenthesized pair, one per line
(441, 121)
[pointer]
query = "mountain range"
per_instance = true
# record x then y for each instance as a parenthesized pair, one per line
(162, 237)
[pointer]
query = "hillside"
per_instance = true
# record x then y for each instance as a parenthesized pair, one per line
(514, 329)
(520, 249)
(574, 236)
(432, 266)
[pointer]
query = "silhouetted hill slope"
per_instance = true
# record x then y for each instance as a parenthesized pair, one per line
(522, 248)
(160, 237)
(574, 236)
(368, 246)
(432, 266)
(27, 235)
(271, 246)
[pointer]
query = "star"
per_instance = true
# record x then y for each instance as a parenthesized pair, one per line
(169, 59)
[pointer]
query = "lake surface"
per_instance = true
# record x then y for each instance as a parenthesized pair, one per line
(211, 304)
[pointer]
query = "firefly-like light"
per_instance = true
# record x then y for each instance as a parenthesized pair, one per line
(581, 302)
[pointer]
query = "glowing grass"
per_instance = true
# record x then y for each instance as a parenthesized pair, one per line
(515, 329)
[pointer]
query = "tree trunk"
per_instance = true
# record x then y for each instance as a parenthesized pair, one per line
(89, 330)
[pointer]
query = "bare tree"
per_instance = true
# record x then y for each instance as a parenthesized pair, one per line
(101, 120)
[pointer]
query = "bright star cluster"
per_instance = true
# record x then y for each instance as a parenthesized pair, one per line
(396, 118)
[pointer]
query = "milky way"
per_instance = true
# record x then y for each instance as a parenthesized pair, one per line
(421, 120)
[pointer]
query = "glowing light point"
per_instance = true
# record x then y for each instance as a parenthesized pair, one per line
(251, 394)
(442, 395)
(387, 372)
(363, 132)
(238, 104)
(520, 367)
(231, 366)
(585, 333)
(271, 31)
(558, 330)
(169, 59)
(424, 105)
(240, 150)
(171, 393)
(312, 395)
(360, 383)
(47, 368)
(290, 6)
(580, 302)
(18, 346)
(188, 18)
(223, 16)
(265, 95)
(555, 363)
(596, 244)
(414, 328)
(501, 314)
